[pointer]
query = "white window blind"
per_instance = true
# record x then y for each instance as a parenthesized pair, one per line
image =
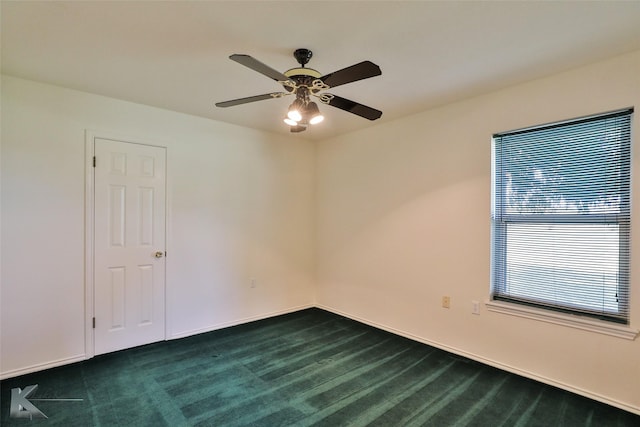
(561, 216)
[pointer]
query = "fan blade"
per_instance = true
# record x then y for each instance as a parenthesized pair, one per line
(363, 70)
(254, 64)
(250, 99)
(355, 108)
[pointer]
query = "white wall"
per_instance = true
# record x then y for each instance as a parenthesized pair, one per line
(241, 206)
(401, 218)
(404, 219)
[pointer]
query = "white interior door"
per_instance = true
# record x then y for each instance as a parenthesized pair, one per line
(129, 244)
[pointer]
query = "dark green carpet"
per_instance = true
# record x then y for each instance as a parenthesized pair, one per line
(306, 368)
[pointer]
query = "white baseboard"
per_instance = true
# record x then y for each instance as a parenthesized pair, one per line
(41, 366)
(236, 322)
(595, 396)
(81, 357)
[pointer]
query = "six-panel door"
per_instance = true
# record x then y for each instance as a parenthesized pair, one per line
(129, 245)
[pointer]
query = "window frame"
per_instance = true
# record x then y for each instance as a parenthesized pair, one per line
(500, 220)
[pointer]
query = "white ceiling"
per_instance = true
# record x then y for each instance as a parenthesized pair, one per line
(174, 54)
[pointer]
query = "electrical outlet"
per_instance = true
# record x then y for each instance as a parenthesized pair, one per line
(446, 302)
(475, 307)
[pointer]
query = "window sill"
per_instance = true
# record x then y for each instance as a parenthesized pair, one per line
(577, 322)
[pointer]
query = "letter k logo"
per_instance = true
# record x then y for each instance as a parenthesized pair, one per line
(21, 407)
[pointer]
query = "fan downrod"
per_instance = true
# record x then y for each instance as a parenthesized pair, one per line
(302, 56)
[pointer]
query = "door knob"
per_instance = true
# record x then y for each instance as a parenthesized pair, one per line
(159, 254)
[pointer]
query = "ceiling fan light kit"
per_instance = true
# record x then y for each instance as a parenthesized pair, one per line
(295, 110)
(313, 113)
(305, 83)
(290, 122)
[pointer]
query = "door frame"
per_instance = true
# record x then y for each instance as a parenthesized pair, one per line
(89, 227)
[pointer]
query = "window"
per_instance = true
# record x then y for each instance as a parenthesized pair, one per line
(561, 216)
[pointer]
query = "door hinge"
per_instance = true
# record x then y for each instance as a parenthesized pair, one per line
(94, 161)
(94, 323)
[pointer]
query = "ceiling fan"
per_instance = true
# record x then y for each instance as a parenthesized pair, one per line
(305, 83)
